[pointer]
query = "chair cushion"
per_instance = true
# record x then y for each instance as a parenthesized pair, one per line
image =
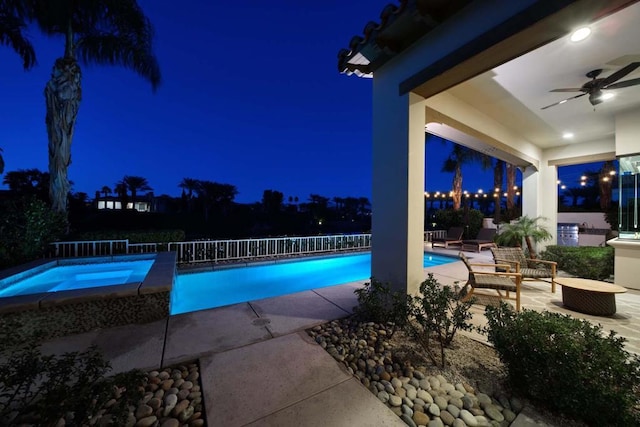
(535, 273)
(494, 282)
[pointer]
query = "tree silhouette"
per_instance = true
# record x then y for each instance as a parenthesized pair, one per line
(135, 184)
(605, 184)
(12, 26)
(105, 190)
(215, 195)
(459, 156)
(101, 32)
(28, 182)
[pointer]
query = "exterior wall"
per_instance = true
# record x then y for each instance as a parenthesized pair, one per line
(628, 133)
(627, 263)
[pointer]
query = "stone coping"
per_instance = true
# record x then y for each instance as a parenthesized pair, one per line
(160, 278)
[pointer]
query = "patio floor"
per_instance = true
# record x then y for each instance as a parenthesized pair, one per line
(259, 368)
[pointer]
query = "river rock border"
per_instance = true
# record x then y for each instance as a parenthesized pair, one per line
(418, 398)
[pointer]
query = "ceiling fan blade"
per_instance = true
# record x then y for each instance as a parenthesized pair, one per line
(563, 101)
(619, 74)
(569, 89)
(625, 83)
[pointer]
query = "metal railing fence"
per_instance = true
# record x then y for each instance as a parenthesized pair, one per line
(230, 250)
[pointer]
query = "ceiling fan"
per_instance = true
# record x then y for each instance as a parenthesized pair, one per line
(595, 86)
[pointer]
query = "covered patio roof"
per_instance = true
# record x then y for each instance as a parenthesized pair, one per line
(507, 74)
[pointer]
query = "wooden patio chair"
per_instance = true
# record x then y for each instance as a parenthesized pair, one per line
(454, 237)
(530, 268)
(484, 239)
(488, 279)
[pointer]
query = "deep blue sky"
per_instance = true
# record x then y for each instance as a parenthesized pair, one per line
(251, 96)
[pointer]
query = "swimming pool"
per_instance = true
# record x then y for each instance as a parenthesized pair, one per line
(210, 289)
(76, 276)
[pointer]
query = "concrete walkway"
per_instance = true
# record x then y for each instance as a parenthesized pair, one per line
(259, 368)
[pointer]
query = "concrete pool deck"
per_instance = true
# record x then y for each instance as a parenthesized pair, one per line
(259, 368)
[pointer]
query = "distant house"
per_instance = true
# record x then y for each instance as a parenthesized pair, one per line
(115, 203)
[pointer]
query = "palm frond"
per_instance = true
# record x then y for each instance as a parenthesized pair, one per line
(12, 34)
(128, 51)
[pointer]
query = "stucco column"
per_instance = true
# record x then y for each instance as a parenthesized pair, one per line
(540, 198)
(398, 187)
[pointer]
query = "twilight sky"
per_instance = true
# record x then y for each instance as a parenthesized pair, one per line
(251, 96)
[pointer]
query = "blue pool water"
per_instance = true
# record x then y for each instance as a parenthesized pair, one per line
(203, 290)
(77, 276)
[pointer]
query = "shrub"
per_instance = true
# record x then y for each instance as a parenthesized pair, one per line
(439, 313)
(37, 389)
(140, 236)
(567, 364)
(27, 226)
(377, 303)
(589, 262)
(470, 219)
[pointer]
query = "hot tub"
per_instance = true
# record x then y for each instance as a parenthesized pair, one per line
(67, 296)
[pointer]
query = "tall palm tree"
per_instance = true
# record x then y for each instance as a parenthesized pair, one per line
(103, 32)
(459, 156)
(605, 184)
(13, 14)
(511, 187)
(120, 188)
(498, 175)
(135, 184)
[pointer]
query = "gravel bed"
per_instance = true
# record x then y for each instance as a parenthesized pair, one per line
(470, 391)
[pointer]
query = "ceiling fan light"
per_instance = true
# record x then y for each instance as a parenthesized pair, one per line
(580, 34)
(606, 96)
(567, 135)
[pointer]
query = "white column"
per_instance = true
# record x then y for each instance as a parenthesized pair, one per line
(398, 187)
(540, 198)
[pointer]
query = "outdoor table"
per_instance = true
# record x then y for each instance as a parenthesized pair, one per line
(589, 296)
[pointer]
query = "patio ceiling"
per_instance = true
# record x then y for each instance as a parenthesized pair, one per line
(514, 93)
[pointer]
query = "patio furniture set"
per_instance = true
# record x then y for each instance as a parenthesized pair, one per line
(511, 267)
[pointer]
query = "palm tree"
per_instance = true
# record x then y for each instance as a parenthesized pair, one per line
(135, 184)
(190, 185)
(31, 182)
(461, 155)
(214, 194)
(511, 187)
(498, 174)
(120, 188)
(605, 184)
(113, 32)
(105, 190)
(12, 25)
(526, 229)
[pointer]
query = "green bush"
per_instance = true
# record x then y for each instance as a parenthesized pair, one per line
(141, 236)
(568, 365)
(37, 389)
(589, 262)
(438, 313)
(470, 219)
(377, 303)
(27, 226)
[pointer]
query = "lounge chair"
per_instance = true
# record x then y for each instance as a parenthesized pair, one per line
(484, 239)
(490, 279)
(454, 237)
(530, 268)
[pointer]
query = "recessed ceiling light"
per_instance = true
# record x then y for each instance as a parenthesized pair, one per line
(580, 34)
(567, 135)
(606, 96)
